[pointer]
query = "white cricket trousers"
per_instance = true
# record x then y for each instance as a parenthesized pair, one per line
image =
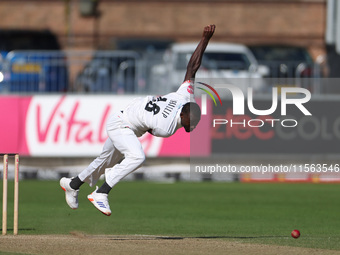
(121, 145)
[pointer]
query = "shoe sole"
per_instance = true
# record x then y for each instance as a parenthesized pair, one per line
(94, 204)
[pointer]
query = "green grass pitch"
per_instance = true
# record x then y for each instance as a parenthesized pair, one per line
(246, 212)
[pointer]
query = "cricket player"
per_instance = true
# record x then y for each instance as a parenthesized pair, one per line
(123, 153)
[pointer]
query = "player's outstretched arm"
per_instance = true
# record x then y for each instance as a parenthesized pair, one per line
(196, 58)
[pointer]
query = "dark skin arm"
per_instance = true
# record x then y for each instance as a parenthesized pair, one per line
(196, 58)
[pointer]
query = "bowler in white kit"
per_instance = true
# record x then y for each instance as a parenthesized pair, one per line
(123, 153)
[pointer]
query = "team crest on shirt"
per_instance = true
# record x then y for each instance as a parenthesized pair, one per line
(190, 89)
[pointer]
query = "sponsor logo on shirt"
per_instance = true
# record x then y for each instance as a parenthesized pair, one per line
(190, 89)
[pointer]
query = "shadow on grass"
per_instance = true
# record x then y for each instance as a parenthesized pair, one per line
(20, 229)
(219, 237)
(129, 238)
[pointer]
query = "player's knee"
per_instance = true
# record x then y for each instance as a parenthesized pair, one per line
(140, 158)
(137, 158)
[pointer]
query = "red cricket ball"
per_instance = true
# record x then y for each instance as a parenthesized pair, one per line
(296, 233)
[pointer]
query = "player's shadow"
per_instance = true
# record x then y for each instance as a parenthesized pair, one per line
(124, 238)
(218, 237)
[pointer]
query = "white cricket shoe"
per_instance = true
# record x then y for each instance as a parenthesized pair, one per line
(71, 195)
(100, 201)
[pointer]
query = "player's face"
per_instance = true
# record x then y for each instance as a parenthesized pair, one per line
(189, 122)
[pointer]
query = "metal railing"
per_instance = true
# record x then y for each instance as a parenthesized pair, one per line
(70, 71)
(125, 72)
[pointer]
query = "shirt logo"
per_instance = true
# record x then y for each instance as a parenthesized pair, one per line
(190, 89)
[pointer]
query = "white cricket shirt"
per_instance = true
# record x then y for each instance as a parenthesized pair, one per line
(161, 114)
